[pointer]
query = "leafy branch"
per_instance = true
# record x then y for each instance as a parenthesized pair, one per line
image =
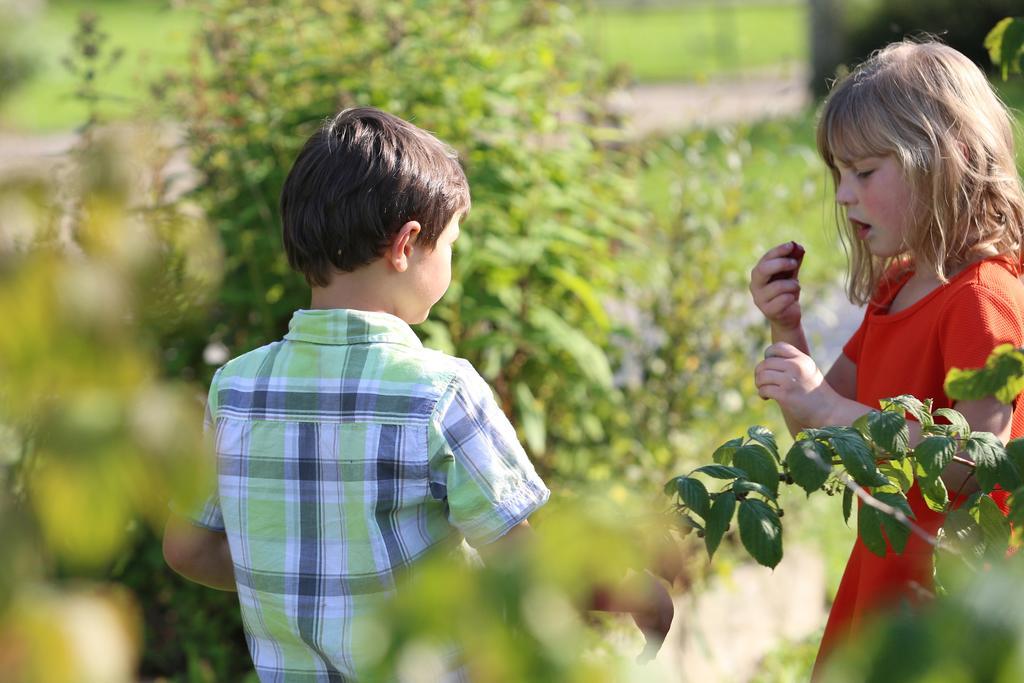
(872, 461)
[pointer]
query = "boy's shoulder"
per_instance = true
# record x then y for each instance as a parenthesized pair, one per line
(381, 362)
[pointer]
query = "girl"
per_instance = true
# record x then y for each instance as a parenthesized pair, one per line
(921, 153)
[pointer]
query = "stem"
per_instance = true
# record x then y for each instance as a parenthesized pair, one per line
(871, 501)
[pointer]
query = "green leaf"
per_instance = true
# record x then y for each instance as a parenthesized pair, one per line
(995, 528)
(869, 528)
(532, 419)
(933, 453)
(586, 293)
(694, 495)
(761, 532)
(990, 463)
(1005, 45)
(556, 333)
(759, 466)
(1015, 454)
(745, 486)
(764, 436)
(809, 463)
(720, 472)
(856, 456)
(847, 504)
(956, 420)
(889, 431)
(686, 524)
(723, 454)
(896, 531)
(906, 403)
(899, 471)
(1002, 377)
(963, 533)
(1016, 503)
(933, 489)
(718, 520)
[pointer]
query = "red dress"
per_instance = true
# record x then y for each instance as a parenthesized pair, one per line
(909, 352)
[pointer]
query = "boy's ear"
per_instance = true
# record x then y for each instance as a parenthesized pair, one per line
(401, 246)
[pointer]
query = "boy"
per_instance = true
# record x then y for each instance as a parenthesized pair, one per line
(347, 451)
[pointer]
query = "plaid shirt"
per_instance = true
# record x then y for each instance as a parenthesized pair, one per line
(344, 453)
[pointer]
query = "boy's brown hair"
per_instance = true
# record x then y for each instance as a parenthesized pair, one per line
(356, 182)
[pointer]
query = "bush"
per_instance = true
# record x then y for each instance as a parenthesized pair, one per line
(872, 24)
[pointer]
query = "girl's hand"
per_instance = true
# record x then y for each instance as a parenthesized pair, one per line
(792, 379)
(775, 286)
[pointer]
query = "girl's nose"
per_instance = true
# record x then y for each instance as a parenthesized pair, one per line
(844, 195)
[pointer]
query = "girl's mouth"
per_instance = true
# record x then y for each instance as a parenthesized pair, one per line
(860, 229)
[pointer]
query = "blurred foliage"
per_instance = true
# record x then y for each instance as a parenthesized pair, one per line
(974, 634)
(93, 440)
(1005, 45)
(556, 286)
(598, 323)
(872, 24)
(17, 64)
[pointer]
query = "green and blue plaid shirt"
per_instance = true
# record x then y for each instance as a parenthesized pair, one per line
(345, 452)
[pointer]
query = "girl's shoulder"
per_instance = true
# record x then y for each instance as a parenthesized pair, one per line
(994, 281)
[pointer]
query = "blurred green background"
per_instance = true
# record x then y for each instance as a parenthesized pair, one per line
(601, 288)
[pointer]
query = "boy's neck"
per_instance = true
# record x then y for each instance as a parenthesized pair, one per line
(364, 289)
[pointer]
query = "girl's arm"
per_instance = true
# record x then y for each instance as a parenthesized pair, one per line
(841, 377)
(809, 399)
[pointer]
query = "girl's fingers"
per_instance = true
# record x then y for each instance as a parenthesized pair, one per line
(778, 305)
(768, 267)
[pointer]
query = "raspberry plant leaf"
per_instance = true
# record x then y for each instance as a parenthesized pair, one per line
(809, 463)
(761, 532)
(856, 456)
(694, 495)
(741, 486)
(1002, 377)
(932, 489)
(889, 431)
(718, 520)
(896, 531)
(721, 472)
(989, 457)
(723, 454)
(995, 528)
(922, 411)
(759, 465)
(901, 472)
(847, 504)
(933, 453)
(957, 421)
(869, 528)
(764, 436)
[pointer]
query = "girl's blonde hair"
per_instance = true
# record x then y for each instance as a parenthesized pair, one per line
(934, 110)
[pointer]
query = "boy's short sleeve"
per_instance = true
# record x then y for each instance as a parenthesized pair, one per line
(477, 464)
(210, 516)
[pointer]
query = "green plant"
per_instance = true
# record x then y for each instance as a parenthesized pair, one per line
(1005, 45)
(872, 24)
(873, 461)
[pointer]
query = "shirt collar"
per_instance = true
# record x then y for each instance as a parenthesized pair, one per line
(340, 326)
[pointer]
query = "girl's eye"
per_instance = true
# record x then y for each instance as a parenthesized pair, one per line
(864, 174)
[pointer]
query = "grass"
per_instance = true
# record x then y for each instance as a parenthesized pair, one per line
(154, 38)
(692, 42)
(698, 40)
